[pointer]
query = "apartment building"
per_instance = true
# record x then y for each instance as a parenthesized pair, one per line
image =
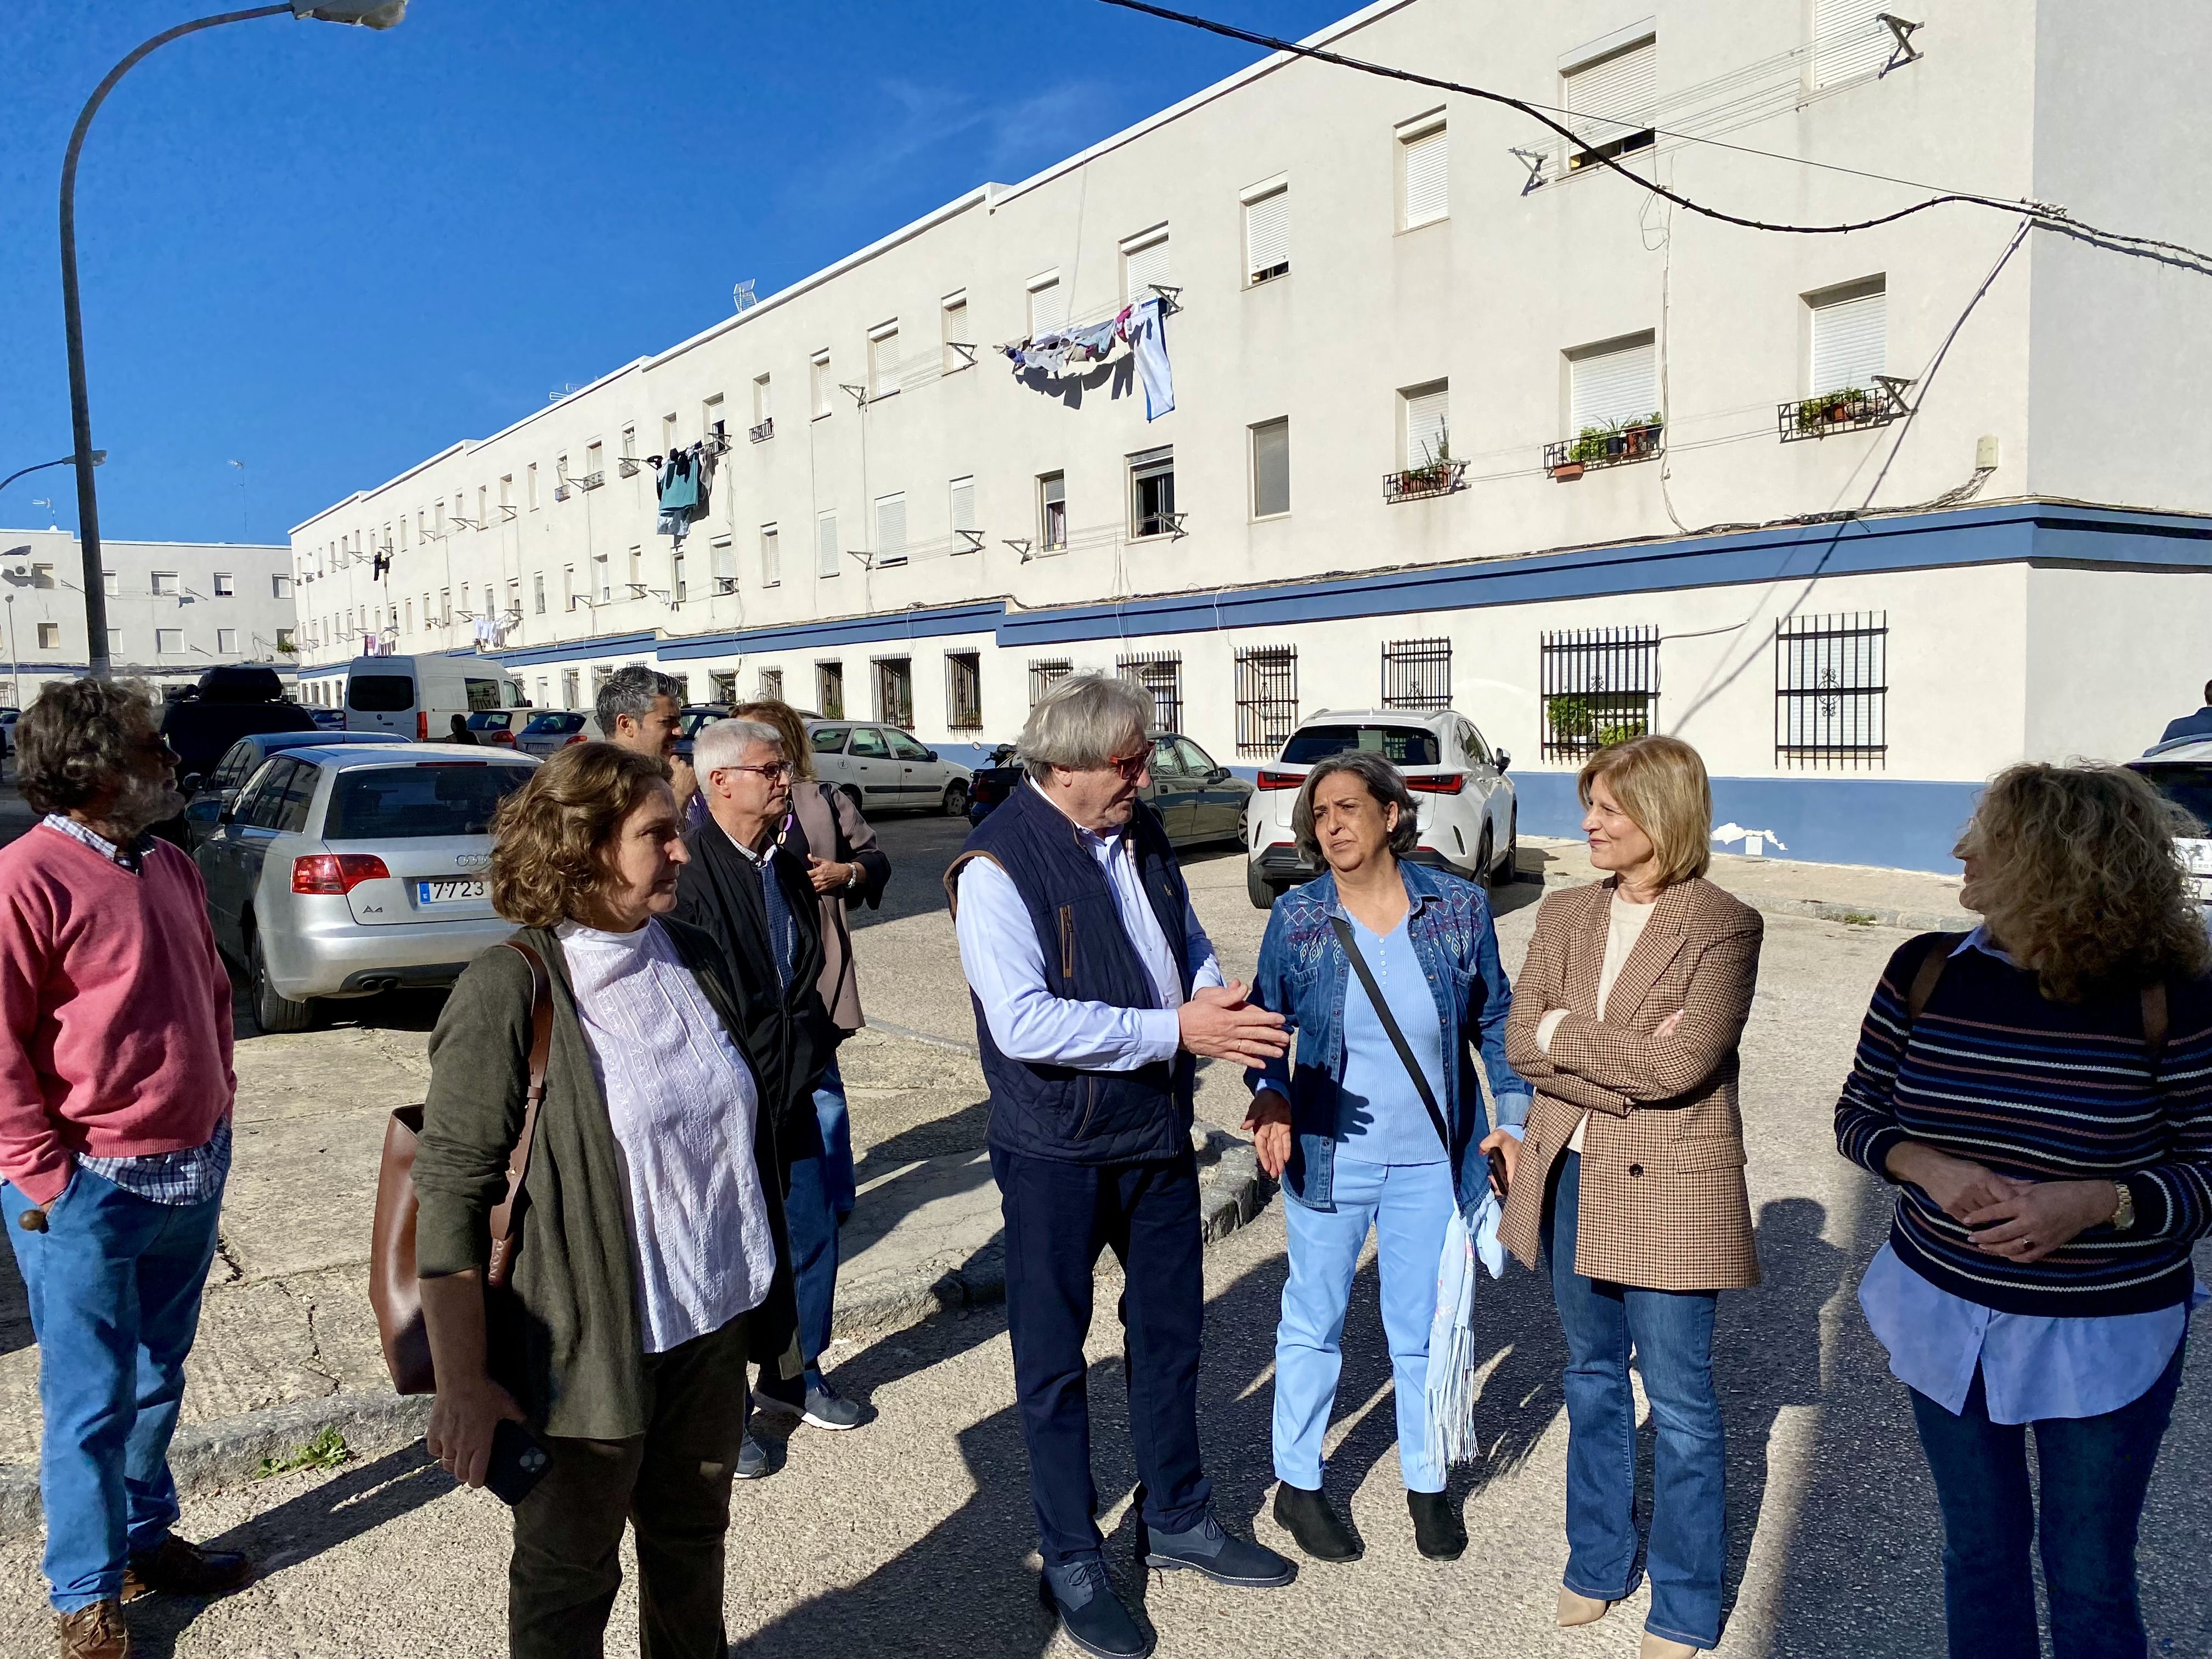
(174, 609)
(1462, 418)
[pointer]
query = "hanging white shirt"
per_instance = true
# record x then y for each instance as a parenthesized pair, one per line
(683, 1103)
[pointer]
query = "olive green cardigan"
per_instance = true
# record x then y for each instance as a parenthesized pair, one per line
(570, 1344)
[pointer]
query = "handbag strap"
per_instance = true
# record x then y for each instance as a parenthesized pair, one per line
(504, 1219)
(1931, 969)
(1390, 1026)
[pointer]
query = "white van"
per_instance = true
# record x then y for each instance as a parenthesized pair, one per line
(418, 697)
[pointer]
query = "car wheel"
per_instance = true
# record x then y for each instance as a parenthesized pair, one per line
(273, 1010)
(1508, 868)
(956, 799)
(1261, 893)
(1482, 858)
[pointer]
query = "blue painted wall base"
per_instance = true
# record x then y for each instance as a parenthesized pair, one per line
(1897, 822)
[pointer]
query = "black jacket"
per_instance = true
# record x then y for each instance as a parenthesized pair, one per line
(787, 1030)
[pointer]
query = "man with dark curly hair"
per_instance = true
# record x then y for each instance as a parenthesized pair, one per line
(115, 1099)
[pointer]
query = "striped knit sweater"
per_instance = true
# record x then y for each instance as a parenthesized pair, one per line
(2039, 1091)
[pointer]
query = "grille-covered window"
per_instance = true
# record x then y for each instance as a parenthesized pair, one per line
(1417, 674)
(1266, 698)
(1601, 685)
(1832, 690)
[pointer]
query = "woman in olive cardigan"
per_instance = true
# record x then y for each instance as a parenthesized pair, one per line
(651, 1234)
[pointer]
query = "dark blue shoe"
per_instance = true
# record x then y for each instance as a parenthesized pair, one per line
(1081, 1593)
(1206, 1549)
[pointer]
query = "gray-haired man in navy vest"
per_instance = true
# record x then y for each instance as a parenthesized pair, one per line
(1094, 988)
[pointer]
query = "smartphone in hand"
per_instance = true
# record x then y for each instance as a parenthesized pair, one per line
(519, 1461)
(1498, 1173)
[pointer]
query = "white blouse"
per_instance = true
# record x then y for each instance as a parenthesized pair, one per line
(683, 1101)
(1624, 928)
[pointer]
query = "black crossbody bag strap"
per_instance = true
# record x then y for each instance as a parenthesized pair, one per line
(1390, 1025)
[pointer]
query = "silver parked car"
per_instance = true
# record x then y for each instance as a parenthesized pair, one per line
(552, 729)
(340, 871)
(883, 769)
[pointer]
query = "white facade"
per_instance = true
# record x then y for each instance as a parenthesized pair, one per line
(174, 609)
(1364, 286)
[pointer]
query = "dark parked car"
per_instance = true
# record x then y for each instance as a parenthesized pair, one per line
(1198, 802)
(230, 703)
(210, 795)
(329, 720)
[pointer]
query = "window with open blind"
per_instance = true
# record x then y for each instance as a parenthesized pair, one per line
(1617, 384)
(1267, 235)
(961, 492)
(955, 334)
(1850, 340)
(884, 361)
(1425, 162)
(1428, 423)
(825, 544)
(1609, 101)
(1144, 268)
(1849, 39)
(1047, 304)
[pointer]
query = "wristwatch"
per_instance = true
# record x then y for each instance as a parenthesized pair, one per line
(2124, 1213)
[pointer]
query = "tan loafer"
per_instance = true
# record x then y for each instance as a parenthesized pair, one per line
(1575, 1609)
(1662, 1647)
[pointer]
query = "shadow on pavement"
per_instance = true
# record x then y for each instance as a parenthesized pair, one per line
(328, 1514)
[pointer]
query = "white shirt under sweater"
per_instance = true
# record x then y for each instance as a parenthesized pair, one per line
(1624, 926)
(683, 1103)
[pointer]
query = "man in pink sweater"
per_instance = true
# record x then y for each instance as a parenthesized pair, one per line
(115, 1097)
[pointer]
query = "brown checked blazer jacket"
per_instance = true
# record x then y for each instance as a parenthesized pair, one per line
(1663, 1204)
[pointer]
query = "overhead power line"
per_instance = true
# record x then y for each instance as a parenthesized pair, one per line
(2042, 213)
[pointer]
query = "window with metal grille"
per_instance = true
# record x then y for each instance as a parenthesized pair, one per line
(895, 691)
(964, 689)
(1160, 674)
(1266, 698)
(829, 690)
(1832, 690)
(1417, 674)
(1045, 673)
(1601, 685)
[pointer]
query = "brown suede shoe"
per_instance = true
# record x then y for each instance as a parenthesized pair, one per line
(95, 1632)
(174, 1567)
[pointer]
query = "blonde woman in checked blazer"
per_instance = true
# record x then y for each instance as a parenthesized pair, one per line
(1628, 1178)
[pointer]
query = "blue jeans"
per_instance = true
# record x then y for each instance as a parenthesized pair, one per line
(1672, 1332)
(1408, 1205)
(835, 1124)
(114, 1285)
(815, 1204)
(2093, 1474)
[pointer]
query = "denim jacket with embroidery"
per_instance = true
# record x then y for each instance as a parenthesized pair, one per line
(1303, 975)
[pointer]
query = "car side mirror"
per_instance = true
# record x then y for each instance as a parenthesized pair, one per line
(1218, 775)
(929, 754)
(190, 783)
(203, 812)
(1505, 760)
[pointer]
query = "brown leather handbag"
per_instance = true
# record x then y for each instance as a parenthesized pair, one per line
(393, 1289)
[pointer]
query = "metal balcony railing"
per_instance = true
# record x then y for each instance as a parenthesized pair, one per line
(627, 466)
(1609, 446)
(1419, 483)
(592, 481)
(561, 491)
(1853, 408)
(763, 432)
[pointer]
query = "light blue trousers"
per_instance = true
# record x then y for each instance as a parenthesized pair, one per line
(1408, 1205)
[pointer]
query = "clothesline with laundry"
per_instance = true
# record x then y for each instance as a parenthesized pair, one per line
(683, 482)
(1142, 327)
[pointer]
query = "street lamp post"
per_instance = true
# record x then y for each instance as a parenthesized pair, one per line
(97, 456)
(371, 13)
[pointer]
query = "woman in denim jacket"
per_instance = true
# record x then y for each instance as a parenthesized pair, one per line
(1348, 1132)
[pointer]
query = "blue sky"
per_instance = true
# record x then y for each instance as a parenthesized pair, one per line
(327, 252)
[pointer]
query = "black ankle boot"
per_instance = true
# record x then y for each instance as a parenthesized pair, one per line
(1438, 1533)
(1321, 1532)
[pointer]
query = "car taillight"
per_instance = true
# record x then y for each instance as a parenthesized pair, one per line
(336, 874)
(421, 725)
(507, 738)
(579, 738)
(1281, 780)
(1437, 783)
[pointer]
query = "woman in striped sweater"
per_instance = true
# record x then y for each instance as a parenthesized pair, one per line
(2041, 1090)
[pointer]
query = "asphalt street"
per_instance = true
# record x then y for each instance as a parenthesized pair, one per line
(912, 1536)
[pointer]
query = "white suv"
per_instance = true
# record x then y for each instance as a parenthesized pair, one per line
(1469, 822)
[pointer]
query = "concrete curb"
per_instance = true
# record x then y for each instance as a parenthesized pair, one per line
(1871, 916)
(229, 1452)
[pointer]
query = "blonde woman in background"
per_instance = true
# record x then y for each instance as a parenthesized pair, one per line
(1628, 1179)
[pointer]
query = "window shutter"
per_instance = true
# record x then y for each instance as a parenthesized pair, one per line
(884, 363)
(1428, 418)
(1268, 232)
(1849, 344)
(1048, 307)
(1618, 386)
(825, 544)
(1270, 469)
(1428, 177)
(963, 504)
(1848, 39)
(1146, 268)
(1621, 88)
(890, 529)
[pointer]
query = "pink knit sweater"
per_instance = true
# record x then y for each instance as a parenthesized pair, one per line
(117, 1010)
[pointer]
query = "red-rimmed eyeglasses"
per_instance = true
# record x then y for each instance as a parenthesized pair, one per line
(1132, 767)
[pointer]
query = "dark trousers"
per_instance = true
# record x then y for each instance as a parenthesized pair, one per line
(1058, 1217)
(2093, 1474)
(811, 1219)
(671, 1483)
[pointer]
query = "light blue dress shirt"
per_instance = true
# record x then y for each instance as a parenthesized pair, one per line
(1383, 1121)
(1004, 965)
(2032, 1366)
